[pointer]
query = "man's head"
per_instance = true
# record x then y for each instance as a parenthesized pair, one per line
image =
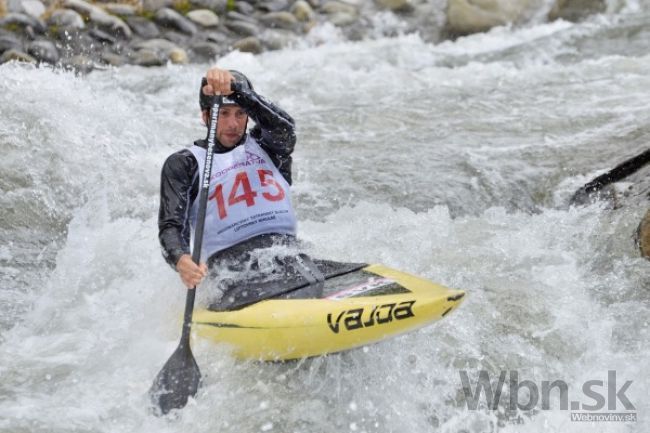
(232, 118)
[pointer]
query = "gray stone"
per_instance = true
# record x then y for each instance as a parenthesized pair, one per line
(242, 28)
(66, 18)
(99, 17)
(8, 42)
(203, 17)
(216, 37)
(23, 21)
(43, 51)
(576, 10)
(33, 8)
(342, 19)
(244, 8)
(206, 50)
(17, 56)
(473, 16)
(281, 20)
(171, 19)
(395, 5)
(178, 56)
(217, 6)
(143, 27)
(236, 16)
(336, 7)
(112, 59)
(248, 45)
(149, 58)
(156, 5)
(302, 11)
(122, 9)
(101, 36)
(157, 45)
(177, 38)
(273, 5)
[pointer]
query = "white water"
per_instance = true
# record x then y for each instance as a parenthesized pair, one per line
(451, 161)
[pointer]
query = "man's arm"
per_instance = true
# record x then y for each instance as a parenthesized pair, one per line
(274, 128)
(177, 188)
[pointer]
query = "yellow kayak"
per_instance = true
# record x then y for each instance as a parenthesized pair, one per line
(354, 309)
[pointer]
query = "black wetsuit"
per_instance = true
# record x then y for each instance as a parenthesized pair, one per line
(179, 186)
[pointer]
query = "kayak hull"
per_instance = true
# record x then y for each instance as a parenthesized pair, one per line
(285, 329)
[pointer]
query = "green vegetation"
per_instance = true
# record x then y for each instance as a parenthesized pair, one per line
(230, 6)
(182, 6)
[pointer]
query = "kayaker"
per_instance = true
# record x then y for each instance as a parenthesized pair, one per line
(249, 202)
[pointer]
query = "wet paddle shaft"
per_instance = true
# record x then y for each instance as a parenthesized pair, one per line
(180, 377)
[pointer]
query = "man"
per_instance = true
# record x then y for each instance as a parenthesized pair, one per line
(249, 201)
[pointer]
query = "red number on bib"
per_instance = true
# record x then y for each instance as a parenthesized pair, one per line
(270, 182)
(247, 195)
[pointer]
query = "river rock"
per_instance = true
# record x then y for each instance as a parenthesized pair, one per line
(122, 9)
(244, 8)
(112, 59)
(28, 24)
(178, 56)
(169, 18)
(33, 8)
(155, 5)
(8, 41)
(642, 236)
(395, 5)
(66, 18)
(343, 19)
(236, 16)
(281, 20)
(473, 16)
(178, 38)
(157, 45)
(44, 51)
(250, 44)
(203, 17)
(143, 27)
(273, 5)
(576, 10)
(206, 51)
(147, 57)
(99, 17)
(17, 56)
(242, 28)
(217, 6)
(216, 37)
(337, 7)
(302, 11)
(101, 36)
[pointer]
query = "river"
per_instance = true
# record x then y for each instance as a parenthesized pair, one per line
(454, 161)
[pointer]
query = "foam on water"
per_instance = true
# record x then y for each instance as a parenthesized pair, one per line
(409, 155)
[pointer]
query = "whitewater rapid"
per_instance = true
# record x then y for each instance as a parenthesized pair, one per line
(452, 161)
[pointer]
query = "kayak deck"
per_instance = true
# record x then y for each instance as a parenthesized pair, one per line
(355, 307)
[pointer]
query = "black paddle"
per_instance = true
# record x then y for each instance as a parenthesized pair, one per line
(180, 377)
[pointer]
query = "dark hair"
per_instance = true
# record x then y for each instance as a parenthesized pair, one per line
(206, 101)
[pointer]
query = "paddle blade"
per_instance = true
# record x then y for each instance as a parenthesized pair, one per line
(178, 380)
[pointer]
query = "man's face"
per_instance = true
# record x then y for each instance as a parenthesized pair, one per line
(231, 125)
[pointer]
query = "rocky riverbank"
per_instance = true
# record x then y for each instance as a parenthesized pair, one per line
(84, 35)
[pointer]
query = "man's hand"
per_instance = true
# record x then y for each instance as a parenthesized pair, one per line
(218, 82)
(190, 273)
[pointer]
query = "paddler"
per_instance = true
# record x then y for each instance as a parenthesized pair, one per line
(249, 203)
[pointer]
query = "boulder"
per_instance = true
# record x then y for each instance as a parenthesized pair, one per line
(102, 37)
(342, 19)
(17, 56)
(147, 57)
(302, 11)
(280, 20)
(66, 18)
(122, 9)
(216, 6)
(273, 5)
(642, 236)
(206, 51)
(26, 23)
(395, 5)
(43, 51)
(33, 8)
(248, 45)
(236, 16)
(156, 45)
(576, 10)
(156, 5)
(337, 7)
(171, 19)
(9, 41)
(473, 16)
(143, 27)
(242, 28)
(99, 17)
(178, 56)
(112, 59)
(203, 17)
(244, 8)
